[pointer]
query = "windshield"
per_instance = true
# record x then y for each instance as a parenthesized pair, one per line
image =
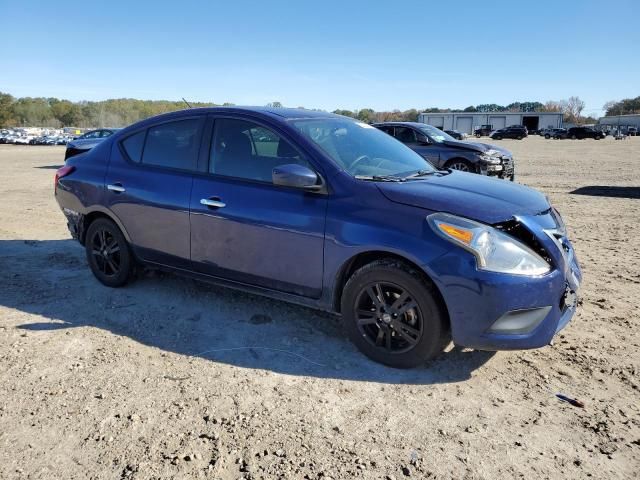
(436, 134)
(362, 150)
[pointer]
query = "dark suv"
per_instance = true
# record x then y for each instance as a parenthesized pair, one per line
(514, 131)
(579, 133)
(483, 130)
(328, 212)
(444, 151)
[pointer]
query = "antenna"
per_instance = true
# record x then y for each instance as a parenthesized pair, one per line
(188, 105)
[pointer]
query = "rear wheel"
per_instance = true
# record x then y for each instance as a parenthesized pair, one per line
(573, 137)
(519, 137)
(108, 253)
(547, 136)
(392, 314)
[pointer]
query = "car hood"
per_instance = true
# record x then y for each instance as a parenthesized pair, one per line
(469, 195)
(475, 146)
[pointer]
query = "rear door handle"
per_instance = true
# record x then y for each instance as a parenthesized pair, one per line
(116, 187)
(212, 202)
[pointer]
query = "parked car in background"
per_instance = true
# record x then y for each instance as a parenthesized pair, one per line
(580, 133)
(483, 130)
(632, 131)
(86, 142)
(555, 133)
(444, 151)
(456, 134)
(514, 131)
(330, 213)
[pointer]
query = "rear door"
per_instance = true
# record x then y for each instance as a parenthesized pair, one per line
(244, 228)
(149, 184)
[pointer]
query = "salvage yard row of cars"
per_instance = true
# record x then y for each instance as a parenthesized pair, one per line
(371, 222)
(80, 143)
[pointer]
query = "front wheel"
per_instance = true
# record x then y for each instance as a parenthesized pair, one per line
(460, 165)
(547, 136)
(392, 314)
(108, 253)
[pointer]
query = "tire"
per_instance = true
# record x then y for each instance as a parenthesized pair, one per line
(108, 253)
(385, 339)
(461, 165)
(547, 136)
(519, 137)
(497, 137)
(573, 137)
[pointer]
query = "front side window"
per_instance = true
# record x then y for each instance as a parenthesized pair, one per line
(360, 149)
(173, 144)
(247, 150)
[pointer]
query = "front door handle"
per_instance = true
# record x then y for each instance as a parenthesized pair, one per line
(116, 187)
(213, 202)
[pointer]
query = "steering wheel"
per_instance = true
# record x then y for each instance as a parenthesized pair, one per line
(358, 161)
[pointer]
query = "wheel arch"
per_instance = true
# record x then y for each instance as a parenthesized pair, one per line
(90, 217)
(363, 258)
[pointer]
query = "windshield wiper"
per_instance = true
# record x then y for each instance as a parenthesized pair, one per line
(380, 178)
(420, 173)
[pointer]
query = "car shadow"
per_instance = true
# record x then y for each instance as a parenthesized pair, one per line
(608, 191)
(50, 279)
(49, 167)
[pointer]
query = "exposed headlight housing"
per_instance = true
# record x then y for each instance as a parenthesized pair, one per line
(494, 251)
(491, 157)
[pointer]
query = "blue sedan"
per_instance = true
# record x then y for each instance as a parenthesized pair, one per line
(328, 212)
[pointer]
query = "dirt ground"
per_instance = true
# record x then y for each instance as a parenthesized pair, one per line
(170, 378)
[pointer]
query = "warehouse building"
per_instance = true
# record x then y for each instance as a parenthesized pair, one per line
(619, 121)
(466, 122)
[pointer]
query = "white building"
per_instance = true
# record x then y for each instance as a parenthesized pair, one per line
(622, 121)
(466, 122)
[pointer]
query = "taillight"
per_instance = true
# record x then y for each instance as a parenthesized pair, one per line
(60, 173)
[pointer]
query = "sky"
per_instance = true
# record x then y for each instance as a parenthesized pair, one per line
(325, 54)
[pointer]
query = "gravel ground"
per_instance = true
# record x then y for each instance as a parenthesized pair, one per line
(170, 378)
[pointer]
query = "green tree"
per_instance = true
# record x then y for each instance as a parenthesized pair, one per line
(7, 118)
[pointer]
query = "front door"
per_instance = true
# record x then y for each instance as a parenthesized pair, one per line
(244, 228)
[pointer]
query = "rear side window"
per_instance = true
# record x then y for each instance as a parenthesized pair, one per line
(173, 144)
(405, 135)
(133, 146)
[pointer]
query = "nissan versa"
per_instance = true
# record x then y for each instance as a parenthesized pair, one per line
(329, 212)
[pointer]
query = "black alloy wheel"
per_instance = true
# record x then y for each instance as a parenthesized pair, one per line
(108, 253)
(393, 314)
(388, 317)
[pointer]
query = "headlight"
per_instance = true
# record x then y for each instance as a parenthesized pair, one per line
(494, 251)
(490, 157)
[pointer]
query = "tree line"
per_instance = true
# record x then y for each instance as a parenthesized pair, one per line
(625, 106)
(54, 112)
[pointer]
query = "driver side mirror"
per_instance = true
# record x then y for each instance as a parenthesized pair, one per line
(423, 139)
(296, 176)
